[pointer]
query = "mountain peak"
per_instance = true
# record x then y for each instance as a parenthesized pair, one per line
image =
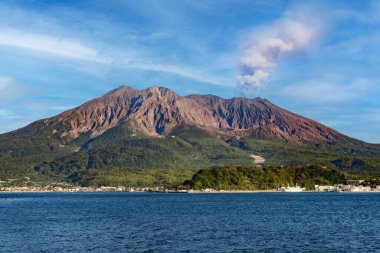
(121, 90)
(155, 111)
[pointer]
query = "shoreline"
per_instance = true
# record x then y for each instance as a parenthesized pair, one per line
(176, 192)
(265, 191)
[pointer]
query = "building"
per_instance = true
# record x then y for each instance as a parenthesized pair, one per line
(361, 188)
(324, 188)
(355, 182)
(352, 188)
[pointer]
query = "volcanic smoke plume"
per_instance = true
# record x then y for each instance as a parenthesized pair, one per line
(267, 47)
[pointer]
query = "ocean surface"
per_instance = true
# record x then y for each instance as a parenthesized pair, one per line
(153, 222)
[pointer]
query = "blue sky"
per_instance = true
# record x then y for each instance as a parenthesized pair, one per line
(316, 58)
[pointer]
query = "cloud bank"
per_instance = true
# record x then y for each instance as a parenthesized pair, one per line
(266, 46)
(75, 49)
(48, 44)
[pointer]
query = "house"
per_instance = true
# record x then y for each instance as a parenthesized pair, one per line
(324, 188)
(355, 182)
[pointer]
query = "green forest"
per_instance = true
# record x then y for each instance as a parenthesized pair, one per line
(266, 178)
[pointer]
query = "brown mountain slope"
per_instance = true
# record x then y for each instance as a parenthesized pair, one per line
(155, 111)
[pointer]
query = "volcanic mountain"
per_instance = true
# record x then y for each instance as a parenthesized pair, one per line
(155, 129)
(156, 111)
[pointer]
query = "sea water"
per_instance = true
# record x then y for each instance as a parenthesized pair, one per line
(153, 222)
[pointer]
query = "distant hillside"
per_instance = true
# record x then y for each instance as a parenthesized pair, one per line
(155, 129)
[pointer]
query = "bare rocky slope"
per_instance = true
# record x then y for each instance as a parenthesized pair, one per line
(156, 111)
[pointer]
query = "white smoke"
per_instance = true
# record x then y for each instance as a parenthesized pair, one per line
(269, 45)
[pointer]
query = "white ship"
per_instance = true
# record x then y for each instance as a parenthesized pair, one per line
(291, 189)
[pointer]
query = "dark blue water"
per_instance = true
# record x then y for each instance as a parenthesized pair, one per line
(139, 222)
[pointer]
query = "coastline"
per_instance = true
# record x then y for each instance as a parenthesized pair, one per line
(275, 191)
(150, 190)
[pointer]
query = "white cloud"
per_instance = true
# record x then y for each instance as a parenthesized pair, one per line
(50, 45)
(327, 91)
(175, 69)
(75, 49)
(80, 35)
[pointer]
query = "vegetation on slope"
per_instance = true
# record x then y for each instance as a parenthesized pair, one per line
(131, 177)
(182, 151)
(124, 156)
(361, 161)
(254, 178)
